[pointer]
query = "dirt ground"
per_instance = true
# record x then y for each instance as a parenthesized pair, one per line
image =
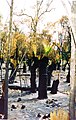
(25, 105)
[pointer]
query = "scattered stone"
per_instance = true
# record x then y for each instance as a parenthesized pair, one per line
(55, 104)
(47, 105)
(1, 116)
(44, 117)
(23, 106)
(13, 107)
(54, 99)
(15, 82)
(49, 101)
(19, 99)
(49, 115)
(39, 115)
(58, 105)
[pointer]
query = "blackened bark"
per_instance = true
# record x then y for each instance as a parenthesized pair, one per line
(33, 78)
(12, 74)
(1, 61)
(2, 105)
(24, 63)
(58, 65)
(24, 68)
(34, 66)
(29, 64)
(49, 78)
(68, 76)
(42, 90)
(54, 88)
(49, 71)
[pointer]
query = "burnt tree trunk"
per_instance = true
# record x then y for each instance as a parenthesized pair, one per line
(49, 78)
(42, 90)
(33, 74)
(24, 64)
(12, 74)
(49, 71)
(54, 87)
(68, 76)
(33, 78)
(24, 68)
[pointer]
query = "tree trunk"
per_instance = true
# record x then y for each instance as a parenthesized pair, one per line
(33, 79)
(49, 72)
(24, 68)
(34, 66)
(72, 83)
(49, 78)
(42, 90)
(7, 64)
(73, 63)
(12, 74)
(68, 75)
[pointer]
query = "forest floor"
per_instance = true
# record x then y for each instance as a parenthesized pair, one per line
(25, 105)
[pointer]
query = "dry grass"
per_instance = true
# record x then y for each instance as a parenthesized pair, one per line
(59, 115)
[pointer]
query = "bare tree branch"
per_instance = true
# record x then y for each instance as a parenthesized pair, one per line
(8, 3)
(23, 14)
(41, 3)
(69, 2)
(46, 11)
(40, 6)
(39, 12)
(47, 8)
(49, 3)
